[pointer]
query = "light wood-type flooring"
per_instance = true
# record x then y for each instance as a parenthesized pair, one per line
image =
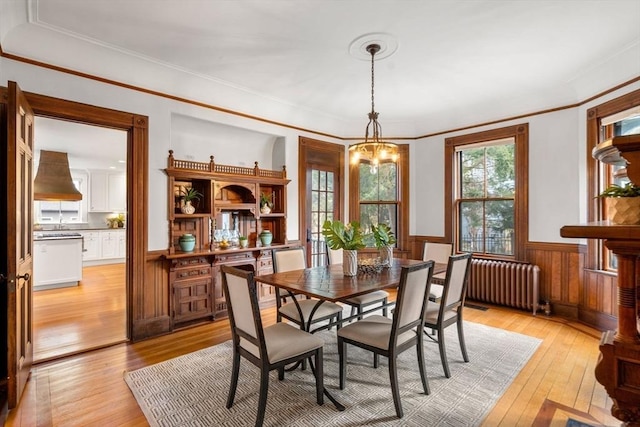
(88, 389)
(84, 317)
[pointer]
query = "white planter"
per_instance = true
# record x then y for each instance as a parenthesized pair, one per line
(386, 256)
(188, 208)
(350, 263)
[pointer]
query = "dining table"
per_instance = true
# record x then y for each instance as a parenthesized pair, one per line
(328, 283)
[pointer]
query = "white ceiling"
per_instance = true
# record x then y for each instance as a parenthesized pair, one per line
(457, 63)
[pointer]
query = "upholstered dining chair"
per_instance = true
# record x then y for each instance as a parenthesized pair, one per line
(390, 337)
(267, 348)
(438, 252)
(289, 259)
(448, 310)
(334, 256)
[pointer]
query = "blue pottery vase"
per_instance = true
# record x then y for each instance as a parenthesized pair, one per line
(187, 242)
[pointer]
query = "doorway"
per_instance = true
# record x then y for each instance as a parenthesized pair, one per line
(88, 312)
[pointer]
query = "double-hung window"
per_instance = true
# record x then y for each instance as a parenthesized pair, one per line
(486, 192)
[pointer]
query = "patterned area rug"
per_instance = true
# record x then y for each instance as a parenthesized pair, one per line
(191, 390)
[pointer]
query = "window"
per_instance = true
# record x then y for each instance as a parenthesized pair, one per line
(381, 193)
(64, 212)
(487, 193)
(485, 197)
(624, 123)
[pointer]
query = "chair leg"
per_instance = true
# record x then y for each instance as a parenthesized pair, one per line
(393, 377)
(353, 312)
(235, 370)
(342, 353)
(359, 311)
(384, 307)
(443, 353)
(319, 377)
(463, 346)
(262, 399)
(376, 360)
(423, 375)
(339, 321)
(281, 373)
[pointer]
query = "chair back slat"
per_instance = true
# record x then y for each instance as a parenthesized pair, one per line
(456, 281)
(412, 298)
(289, 259)
(439, 252)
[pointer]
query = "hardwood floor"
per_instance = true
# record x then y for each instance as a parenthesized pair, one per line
(88, 389)
(80, 318)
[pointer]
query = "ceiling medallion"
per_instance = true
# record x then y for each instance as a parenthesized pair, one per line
(373, 150)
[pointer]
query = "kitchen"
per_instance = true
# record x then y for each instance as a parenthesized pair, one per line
(79, 246)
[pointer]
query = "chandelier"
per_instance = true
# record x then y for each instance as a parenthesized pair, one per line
(373, 150)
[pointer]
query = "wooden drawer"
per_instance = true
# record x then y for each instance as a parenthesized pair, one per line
(189, 262)
(190, 273)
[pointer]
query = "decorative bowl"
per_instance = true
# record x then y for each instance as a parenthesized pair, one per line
(370, 266)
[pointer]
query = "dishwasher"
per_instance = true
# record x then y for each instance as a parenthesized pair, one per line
(57, 260)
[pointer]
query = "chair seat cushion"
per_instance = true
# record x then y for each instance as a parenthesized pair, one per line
(374, 331)
(433, 309)
(284, 341)
(435, 292)
(368, 298)
(326, 309)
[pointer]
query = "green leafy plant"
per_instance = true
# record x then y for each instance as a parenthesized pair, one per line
(266, 200)
(242, 238)
(340, 236)
(614, 190)
(189, 194)
(383, 235)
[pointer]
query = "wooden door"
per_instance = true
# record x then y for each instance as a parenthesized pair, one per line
(19, 243)
(321, 167)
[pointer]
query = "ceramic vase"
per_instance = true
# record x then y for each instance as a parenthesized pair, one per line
(187, 242)
(265, 209)
(243, 243)
(188, 208)
(266, 237)
(386, 256)
(350, 262)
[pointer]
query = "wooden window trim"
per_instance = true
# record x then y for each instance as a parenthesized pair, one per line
(403, 195)
(595, 206)
(520, 135)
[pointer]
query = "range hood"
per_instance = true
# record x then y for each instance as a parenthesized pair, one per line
(53, 180)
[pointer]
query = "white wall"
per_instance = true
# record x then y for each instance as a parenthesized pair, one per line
(187, 129)
(557, 182)
(557, 173)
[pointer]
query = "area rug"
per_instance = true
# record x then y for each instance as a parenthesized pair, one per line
(191, 390)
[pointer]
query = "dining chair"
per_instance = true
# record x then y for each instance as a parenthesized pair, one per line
(438, 252)
(334, 256)
(448, 310)
(390, 337)
(289, 259)
(268, 348)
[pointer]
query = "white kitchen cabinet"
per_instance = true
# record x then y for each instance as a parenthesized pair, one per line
(122, 244)
(92, 245)
(57, 263)
(109, 244)
(108, 192)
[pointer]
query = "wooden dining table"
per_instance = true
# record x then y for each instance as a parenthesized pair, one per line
(328, 283)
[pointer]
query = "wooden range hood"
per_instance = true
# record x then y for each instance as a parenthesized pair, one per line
(53, 180)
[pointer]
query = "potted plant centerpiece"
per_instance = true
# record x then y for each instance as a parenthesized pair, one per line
(188, 196)
(385, 240)
(349, 238)
(266, 203)
(623, 203)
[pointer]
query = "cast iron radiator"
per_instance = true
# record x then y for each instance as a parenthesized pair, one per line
(507, 283)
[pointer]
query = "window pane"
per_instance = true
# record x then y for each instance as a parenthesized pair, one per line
(368, 216)
(472, 169)
(388, 181)
(499, 226)
(315, 203)
(315, 179)
(471, 227)
(323, 180)
(500, 169)
(330, 181)
(368, 183)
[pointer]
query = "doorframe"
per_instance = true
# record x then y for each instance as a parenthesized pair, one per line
(308, 149)
(137, 128)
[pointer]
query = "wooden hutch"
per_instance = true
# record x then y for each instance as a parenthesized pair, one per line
(231, 199)
(618, 368)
